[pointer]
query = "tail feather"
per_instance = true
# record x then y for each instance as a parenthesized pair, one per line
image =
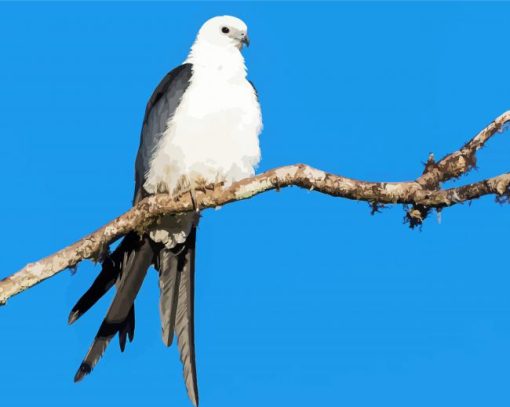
(176, 282)
(110, 271)
(169, 289)
(184, 323)
(126, 267)
(120, 315)
(127, 329)
(104, 336)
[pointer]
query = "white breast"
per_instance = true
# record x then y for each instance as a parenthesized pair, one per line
(213, 135)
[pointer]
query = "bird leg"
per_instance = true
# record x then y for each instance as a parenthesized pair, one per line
(194, 200)
(193, 194)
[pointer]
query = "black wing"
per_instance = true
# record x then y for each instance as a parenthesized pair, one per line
(160, 108)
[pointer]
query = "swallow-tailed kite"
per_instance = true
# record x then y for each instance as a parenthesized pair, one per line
(201, 126)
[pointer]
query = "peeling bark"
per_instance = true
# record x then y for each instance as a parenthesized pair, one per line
(423, 194)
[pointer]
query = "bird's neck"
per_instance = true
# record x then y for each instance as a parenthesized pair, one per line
(227, 62)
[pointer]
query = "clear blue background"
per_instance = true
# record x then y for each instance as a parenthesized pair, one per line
(301, 299)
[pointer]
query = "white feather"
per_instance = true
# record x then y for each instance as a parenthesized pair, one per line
(213, 135)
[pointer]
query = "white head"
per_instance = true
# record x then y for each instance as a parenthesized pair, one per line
(224, 31)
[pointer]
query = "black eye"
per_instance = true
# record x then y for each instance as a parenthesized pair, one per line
(225, 30)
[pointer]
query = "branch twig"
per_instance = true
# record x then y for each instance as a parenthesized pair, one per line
(424, 194)
(463, 160)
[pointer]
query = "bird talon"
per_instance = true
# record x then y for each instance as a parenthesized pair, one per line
(194, 201)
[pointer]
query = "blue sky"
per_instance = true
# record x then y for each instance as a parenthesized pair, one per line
(302, 299)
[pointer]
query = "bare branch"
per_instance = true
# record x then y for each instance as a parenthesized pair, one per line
(462, 161)
(424, 194)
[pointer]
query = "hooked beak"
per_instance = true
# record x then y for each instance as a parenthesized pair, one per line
(245, 40)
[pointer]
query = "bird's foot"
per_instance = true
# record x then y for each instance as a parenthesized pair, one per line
(215, 187)
(194, 200)
(188, 187)
(201, 185)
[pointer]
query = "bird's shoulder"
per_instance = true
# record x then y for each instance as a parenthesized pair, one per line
(175, 81)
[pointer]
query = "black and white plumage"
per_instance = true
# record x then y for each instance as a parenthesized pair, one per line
(201, 126)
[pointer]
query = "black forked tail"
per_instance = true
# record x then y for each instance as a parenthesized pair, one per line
(111, 269)
(126, 267)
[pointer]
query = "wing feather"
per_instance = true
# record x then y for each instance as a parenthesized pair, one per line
(160, 108)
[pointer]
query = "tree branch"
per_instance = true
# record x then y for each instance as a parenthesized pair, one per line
(460, 162)
(423, 194)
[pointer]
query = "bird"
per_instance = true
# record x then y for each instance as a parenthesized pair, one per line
(201, 127)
